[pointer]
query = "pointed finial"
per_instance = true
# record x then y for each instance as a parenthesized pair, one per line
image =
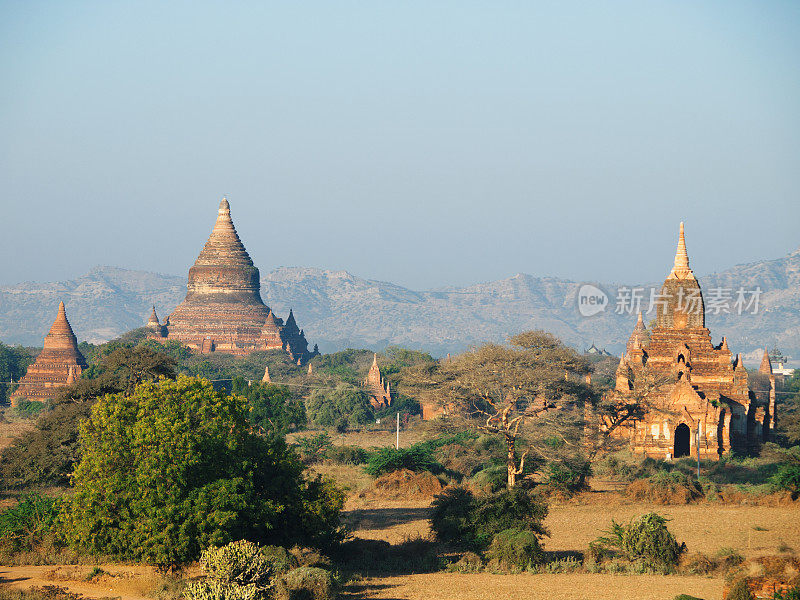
(725, 344)
(766, 364)
(681, 267)
(266, 378)
(374, 359)
(62, 312)
(223, 205)
(640, 320)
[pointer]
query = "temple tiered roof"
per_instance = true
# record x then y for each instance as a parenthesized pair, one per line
(223, 310)
(59, 364)
(697, 384)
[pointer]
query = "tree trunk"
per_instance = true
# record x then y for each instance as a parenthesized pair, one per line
(511, 462)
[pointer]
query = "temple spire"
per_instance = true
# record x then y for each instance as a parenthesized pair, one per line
(681, 268)
(153, 321)
(766, 365)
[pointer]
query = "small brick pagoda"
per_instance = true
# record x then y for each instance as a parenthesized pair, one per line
(692, 381)
(223, 310)
(59, 364)
(379, 391)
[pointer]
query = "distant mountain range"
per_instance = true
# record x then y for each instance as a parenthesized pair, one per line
(339, 310)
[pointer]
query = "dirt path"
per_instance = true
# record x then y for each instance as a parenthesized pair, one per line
(481, 586)
(121, 581)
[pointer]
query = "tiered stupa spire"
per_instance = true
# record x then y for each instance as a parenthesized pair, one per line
(59, 364)
(223, 310)
(379, 394)
(681, 268)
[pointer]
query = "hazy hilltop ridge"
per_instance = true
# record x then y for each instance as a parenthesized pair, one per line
(338, 309)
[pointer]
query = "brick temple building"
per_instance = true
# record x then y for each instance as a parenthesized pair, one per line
(688, 381)
(223, 310)
(59, 364)
(378, 390)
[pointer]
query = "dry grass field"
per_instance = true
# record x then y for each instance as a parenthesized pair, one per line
(483, 586)
(705, 527)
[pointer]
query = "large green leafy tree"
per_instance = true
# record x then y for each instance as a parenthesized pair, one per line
(14, 362)
(344, 406)
(47, 454)
(272, 407)
(175, 468)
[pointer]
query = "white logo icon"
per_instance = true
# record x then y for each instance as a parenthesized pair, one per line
(591, 300)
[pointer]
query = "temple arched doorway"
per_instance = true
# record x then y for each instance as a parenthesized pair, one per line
(682, 440)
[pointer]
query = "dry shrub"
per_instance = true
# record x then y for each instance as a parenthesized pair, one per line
(404, 484)
(665, 488)
(779, 566)
(723, 563)
(48, 592)
(470, 562)
(460, 458)
(307, 583)
(733, 495)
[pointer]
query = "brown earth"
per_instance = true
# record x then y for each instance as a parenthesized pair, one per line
(484, 586)
(126, 582)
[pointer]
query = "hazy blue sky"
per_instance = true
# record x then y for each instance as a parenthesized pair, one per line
(426, 143)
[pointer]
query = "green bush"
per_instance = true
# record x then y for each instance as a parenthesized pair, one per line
(567, 477)
(451, 518)
(28, 409)
(47, 454)
(414, 458)
(307, 583)
(686, 597)
(516, 549)
(240, 570)
(348, 455)
(176, 467)
(646, 540)
(402, 405)
(460, 518)
(787, 478)
(314, 448)
(272, 407)
(343, 407)
(24, 525)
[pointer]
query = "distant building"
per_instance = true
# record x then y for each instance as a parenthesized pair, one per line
(59, 364)
(595, 351)
(223, 310)
(379, 391)
(698, 386)
(778, 361)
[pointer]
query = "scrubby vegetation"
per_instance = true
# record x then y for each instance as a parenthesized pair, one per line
(463, 519)
(174, 468)
(645, 541)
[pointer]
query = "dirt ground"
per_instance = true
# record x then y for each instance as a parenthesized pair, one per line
(751, 530)
(482, 586)
(126, 582)
(705, 527)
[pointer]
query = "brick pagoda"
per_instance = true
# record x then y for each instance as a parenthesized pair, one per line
(59, 364)
(691, 381)
(380, 395)
(223, 310)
